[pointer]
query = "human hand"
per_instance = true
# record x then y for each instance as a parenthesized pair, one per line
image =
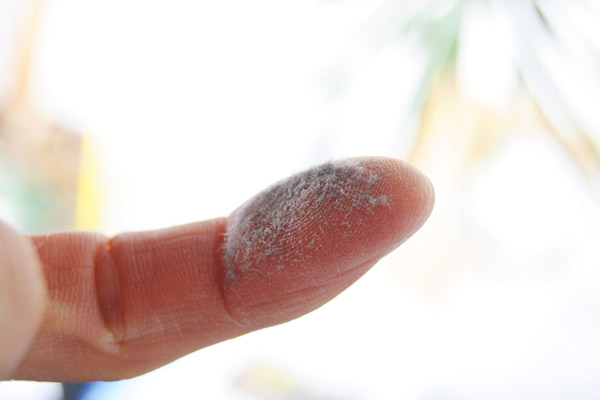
(79, 306)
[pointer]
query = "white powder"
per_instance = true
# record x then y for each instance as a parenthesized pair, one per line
(261, 229)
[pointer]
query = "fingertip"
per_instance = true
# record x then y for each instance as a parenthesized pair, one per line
(300, 242)
(412, 192)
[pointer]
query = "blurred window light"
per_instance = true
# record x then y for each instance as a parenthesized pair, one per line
(486, 69)
(24, 390)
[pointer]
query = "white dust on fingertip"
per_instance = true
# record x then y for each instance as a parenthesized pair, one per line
(260, 230)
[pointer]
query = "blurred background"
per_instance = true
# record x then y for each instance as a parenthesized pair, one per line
(129, 115)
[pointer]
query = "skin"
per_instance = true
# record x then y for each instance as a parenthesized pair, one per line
(79, 306)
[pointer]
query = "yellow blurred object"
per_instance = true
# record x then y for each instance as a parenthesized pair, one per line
(267, 381)
(88, 207)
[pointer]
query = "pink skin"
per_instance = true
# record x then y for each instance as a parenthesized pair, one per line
(120, 307)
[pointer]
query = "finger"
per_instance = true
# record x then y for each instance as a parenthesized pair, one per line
(123, 306)
(21, 298)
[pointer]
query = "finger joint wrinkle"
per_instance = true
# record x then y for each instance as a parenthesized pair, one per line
(108, 294)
